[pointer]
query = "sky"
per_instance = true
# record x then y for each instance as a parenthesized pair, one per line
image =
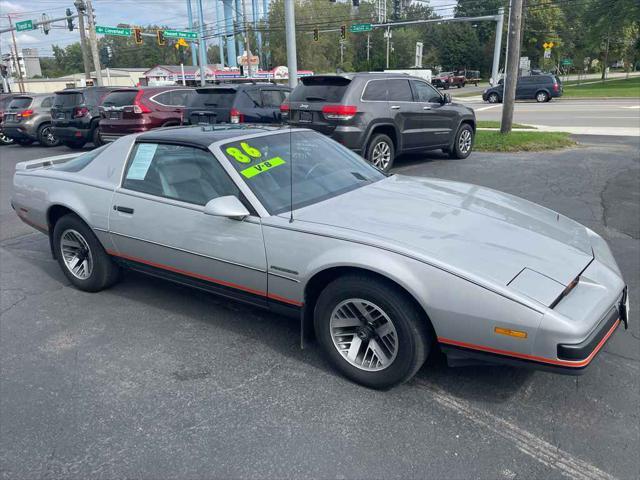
(110, 13)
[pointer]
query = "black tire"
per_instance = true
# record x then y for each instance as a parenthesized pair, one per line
(375, 142)
(95, 137)
(493, 98)
(24, 141)
(4, 140)
(46, 136)
(542, 96)
(103, 272)
(412, 334)
(446, 86)
(462, 147)
(75, 145)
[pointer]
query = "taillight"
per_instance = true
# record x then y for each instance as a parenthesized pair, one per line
(339, 112)
(236, 116)
(284, 109)
(138, 106)
(25, 113)
(80, 112)
(555, 87)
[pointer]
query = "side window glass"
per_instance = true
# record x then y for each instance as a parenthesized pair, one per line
(425, 92)
(252, 98)
(179, 97)
(47, 102)
(181, 173)
(399, 91)
(271, 98)
(163, 98)
(376, 90)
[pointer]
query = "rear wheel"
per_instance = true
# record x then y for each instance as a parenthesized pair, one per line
(381, 152)
(81, 256)
(493, 98)
(46, 136)
(75, 145)
(96, 138)
(4, 140)
(371, 331)
(542, 97)
(463, 143)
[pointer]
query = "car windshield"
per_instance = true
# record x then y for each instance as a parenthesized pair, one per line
(319, 167)
(120, 98)
(216, 98)
(67, 99)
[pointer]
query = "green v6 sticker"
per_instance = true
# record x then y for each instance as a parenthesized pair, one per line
(262, 167)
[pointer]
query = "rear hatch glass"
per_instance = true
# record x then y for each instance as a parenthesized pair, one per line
(114, 104)
(308, 98)
(20, 103)
(64, 103)
(212, 105)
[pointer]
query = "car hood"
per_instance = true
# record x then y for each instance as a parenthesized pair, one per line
(468, 228)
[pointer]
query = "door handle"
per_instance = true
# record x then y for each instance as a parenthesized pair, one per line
(123, 209)
(395, 107)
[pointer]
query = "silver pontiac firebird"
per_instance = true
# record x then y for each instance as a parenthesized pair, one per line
(384, 269)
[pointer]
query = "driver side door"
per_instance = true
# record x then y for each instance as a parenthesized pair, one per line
(436, 119)
(157, 223)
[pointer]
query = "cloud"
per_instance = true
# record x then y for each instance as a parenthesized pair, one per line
(11, 7)
(26, 38)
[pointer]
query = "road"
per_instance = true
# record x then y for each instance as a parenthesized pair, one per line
(606, 117)
(155, 381)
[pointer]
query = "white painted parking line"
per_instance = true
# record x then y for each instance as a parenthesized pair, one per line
(485, 108)
(633, 106)
(528, 443)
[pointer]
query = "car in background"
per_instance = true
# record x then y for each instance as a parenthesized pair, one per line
(135, 110)
(236, 103)
(75, 115)
(28, 119)
(447, 80)
(381, 116)
(5, 100)
(541, 88)
(472, 76)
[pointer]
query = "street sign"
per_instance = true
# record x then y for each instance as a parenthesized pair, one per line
(567, 62)
(118, 31)
(360, 27)
(180, 34)
(181, 42)
(548, 45)
(25, 25)
(547, 53)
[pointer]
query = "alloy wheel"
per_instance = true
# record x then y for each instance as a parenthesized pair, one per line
(541, 97)
(49, 137)
(76, 254)
(464, 141)
(363, 334)
(381, 155)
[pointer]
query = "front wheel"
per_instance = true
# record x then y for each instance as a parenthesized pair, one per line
(493, 98)
(463, 142)
(381, 152)
(46, 136)
(81, 256)
(4, 140)
(371, 331)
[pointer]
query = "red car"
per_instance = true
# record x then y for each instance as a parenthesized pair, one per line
(135, 110)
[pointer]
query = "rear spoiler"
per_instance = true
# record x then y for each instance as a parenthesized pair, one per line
(46, 162)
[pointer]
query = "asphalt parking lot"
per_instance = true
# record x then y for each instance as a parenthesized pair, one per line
(150, 380)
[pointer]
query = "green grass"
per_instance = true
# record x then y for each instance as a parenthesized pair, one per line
(492, 141)
(612, 88)
(496, 124)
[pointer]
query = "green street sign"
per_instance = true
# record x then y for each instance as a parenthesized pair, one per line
(567, 61)
(180, 34)
(360, 27)
(121, 32)
(25, 25)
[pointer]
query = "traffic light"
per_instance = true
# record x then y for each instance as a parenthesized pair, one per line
(161, 40)
(137, 36)
(316, 34)
(356, 3)
(69, 19)
(396, 9)
(343, 32)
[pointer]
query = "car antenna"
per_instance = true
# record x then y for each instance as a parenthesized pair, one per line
(291, 172)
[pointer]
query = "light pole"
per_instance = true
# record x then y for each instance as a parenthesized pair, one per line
(513, 63)
(290, 27)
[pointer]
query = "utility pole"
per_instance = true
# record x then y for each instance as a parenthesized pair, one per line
(368, 49)
(15, 55)
(341, 53)
(246, 36)
(94, 43)
(192, 46)
(202, 45)
(388, 35)
(290, 27)
(80, 6)
(497, 47)
(513, 64)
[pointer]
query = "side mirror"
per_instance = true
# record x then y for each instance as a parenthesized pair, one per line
(446, 98)
(228, 206)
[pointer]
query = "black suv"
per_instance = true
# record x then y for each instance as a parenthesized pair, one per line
(75, 116)
(236, 103)
(542, 88)
(381, 115)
